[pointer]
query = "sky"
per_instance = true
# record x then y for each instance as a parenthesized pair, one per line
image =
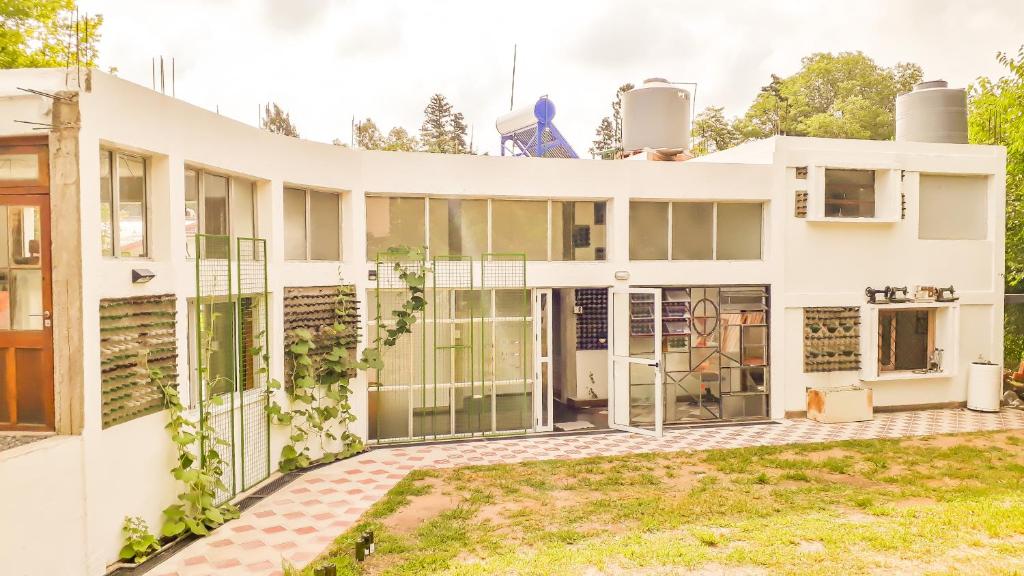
(329, 61)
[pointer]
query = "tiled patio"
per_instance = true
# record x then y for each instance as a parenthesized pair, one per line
(298, 522)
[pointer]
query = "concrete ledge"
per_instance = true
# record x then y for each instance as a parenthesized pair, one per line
(797, 414)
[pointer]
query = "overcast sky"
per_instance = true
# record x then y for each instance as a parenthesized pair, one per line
(327, 60)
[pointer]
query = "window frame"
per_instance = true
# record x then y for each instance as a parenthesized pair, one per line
(115, 203)
(201, 203)
(714, 228)
(946, 336)
(307, 192)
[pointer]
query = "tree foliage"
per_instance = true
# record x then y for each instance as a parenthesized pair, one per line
(845, 95)
(43, 34)
(443, 130)
(997, 117)
(276, 120)
(608, 143)
(399, 140)
(368, 136)
(712, 132)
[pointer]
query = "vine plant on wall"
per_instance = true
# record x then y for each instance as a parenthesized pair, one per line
(321, 369)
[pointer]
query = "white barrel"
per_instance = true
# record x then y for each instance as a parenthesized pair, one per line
(983, 383)
(932, 112)
(656, 116)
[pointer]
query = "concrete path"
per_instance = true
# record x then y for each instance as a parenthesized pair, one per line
(299, 521)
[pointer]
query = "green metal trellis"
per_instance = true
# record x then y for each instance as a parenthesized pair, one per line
(253, 364)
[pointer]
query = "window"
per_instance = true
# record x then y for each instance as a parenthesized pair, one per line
(906, 341)
(695, 230)
(458, 227)
(393, 221)
(578, 230)
(218, 205)
(849, 193)
(648, 230)
(739, 232)
(122, 205)
(540, 229)
(520, 226)
(312, 225)
(953, 207)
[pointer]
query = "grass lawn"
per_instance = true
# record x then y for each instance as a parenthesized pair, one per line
(934, 505)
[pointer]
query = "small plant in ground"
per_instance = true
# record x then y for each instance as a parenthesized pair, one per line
(707, 537)
(139, 542)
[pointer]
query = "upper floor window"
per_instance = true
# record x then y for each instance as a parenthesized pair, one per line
(849, 193)
(540, 229)
(695, 230)
(312, 225)
(218, 205)
(123, 196)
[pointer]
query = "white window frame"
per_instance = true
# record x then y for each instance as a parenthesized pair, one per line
(947, 337)
(115, 207)
(888, 193)
(309, 223)
(201, 201)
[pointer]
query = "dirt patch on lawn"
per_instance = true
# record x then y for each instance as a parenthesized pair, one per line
(423, 508)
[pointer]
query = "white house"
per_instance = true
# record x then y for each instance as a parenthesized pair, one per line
(585, 294)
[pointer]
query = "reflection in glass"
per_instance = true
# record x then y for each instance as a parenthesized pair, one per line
(131, 215)
(294, 224)
(215, 204)
(520, 226)
(106, 205)
(243, 208)
(393, 222)
(324, 226)
(458, 227)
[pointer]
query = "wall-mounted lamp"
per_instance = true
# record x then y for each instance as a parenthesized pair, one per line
(142, 275)
(372, 276)
(622, 275)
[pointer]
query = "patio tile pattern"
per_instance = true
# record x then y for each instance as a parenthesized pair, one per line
(299, 521)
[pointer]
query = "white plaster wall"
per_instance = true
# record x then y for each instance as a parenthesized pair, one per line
(42, 508)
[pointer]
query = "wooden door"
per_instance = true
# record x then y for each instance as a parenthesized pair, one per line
(26, 332)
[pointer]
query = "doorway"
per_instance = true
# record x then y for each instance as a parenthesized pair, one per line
(26, 328)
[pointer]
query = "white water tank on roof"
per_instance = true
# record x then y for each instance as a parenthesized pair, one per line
(656, 115)
(932, 112)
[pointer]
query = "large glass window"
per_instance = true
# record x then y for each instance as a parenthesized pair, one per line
(578, 230)
(520, 226)
(849, 193)
(648, 230)
(122, 204)
(218, 205)
(458, 227)
(739, 231)
(698, 230)
(312, 225)
(393, 221)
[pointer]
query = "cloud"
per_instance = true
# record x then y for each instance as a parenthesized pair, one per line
(295, 15)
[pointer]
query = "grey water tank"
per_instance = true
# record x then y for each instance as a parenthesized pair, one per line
(932, 112)
(656, 115)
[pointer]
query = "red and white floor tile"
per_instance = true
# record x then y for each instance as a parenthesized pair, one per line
(299, 521)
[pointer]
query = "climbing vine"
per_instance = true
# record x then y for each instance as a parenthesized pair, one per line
(200, 465)
(320, 372)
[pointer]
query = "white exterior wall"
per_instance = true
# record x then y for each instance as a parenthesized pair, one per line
(123, 471)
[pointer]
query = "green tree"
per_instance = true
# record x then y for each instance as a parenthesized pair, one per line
(845, 95)
(368, 136)
(997, 117)
(399, 140)
(609, 131)
(45, 34)
(712, 132)
(276, 120)
(443, 129)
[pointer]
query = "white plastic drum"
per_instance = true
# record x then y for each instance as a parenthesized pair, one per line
(983, 383)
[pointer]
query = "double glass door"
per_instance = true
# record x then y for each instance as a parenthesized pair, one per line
(26, 341)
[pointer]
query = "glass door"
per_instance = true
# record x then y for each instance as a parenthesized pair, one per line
(636, 396)
(26, 340)
(543, 372)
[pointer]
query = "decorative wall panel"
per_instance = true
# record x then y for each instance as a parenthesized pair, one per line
(318, 307)
(137, 335)
(831, 339)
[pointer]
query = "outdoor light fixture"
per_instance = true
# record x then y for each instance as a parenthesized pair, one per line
(622, 275)
(372, 276)
(142, 275)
